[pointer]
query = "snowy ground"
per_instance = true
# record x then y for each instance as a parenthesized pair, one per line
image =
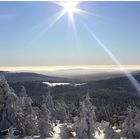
(62, 84)
(57, 132)
(99, 135)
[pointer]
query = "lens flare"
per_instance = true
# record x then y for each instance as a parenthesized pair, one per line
(69, 7)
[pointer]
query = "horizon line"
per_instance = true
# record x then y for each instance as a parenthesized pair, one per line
(64, 67)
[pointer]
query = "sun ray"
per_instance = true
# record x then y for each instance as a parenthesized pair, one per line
(75, 35)
(84, 12)
(56, 18)
(131, 78)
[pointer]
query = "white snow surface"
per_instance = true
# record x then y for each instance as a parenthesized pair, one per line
(55, 84)
(62, 84)
(57, 131)
(98, 134)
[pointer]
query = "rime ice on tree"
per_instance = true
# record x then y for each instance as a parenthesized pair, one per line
(84, 125)
(8, 101)
(131, 125)
(48, 100)
(61, 109)
(45, 127)
(27, 119)
(22, 93)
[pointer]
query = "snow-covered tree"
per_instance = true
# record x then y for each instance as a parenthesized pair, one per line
(28, 106)
(22, 96)
(45, 127)
(30, 118)
(8, 101)
(84, 125)
(4, 89)
(62, 111)
(22, 93)
(48, 100)
(131, 125)
(27, 119)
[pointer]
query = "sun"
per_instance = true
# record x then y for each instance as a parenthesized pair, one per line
(69, 7)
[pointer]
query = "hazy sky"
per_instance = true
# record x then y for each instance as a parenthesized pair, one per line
(25, 39)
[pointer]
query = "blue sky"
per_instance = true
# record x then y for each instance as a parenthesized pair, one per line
(25, 40)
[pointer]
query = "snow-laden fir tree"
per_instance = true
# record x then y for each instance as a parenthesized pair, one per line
(27, 119)
(84, 125)
(45, 127)
(8, 101)
(62, 111)
(30, 118)
(22, 96)
(22, 92)
(131, 125)
(4, 89)
(48, 100)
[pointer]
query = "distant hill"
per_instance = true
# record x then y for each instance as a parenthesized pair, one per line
(38, 77)
(30, 77)
(87, 77)
(3, 72)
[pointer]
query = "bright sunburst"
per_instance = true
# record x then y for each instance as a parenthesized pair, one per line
(69, 7)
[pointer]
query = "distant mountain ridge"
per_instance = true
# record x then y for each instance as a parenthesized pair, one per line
(29, 77)
(38, 77)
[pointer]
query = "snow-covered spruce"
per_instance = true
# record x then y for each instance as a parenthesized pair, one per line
(48, 101)
(61, 109)
(16, 113)
(45, 127)
(84, 125)
(8, 106)
(27, 119)
(131, 125)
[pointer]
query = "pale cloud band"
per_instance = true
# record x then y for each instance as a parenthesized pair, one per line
(54, 68)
